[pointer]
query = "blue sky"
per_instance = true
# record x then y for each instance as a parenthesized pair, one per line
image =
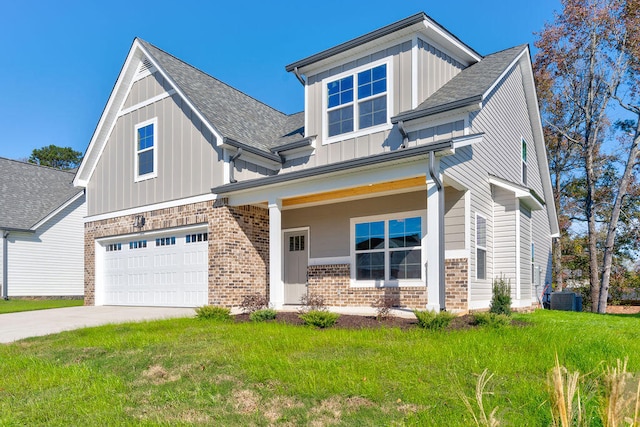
(60, 59)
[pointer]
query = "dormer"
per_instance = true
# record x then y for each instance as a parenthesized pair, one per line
(354, 89)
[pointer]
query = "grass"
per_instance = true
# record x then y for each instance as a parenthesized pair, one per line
(189, 371)
(16, 305)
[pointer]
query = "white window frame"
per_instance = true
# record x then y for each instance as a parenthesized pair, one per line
(484, 248)
(524, 168)
(356, 116)
(136, 152)
(386, 217)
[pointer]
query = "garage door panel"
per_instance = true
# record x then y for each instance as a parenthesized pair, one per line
(164, 269)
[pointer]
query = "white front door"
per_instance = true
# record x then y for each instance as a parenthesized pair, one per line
(296, 260)
(167, 268)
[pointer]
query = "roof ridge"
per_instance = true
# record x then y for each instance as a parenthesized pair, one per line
(37, 165)
(212, 77)
(523, 45)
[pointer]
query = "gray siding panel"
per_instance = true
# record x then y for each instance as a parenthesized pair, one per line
(454, 219)
(525, 252)
(435, 69)
(189, 163)
(146, 88)
(504, 242)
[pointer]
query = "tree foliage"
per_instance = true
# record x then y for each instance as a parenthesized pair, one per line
(64, 158)
(587, 67)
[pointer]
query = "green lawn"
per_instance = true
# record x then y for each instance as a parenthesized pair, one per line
(15, 305)
(190, 371)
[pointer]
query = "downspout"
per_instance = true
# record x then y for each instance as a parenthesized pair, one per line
(5, 266)
(403, 132)
(299, 77)
(232, 165)
(434, 176)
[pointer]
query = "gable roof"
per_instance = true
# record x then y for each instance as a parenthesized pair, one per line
(29, 193)
(468, 87)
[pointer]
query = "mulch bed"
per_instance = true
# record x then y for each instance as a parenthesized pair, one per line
(348, 321)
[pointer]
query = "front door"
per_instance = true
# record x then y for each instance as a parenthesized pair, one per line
(296, 260)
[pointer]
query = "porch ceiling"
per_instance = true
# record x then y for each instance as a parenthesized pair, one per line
(392, 186)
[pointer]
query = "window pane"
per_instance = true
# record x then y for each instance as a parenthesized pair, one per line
(372, 82)
(145, 137)
(340, 92)
(481, 264)
(481, 231)
(145, 162)
(405, 232)
(405, 264)
(370, 266)
(373, 112)
(370, 235)
(341, 121)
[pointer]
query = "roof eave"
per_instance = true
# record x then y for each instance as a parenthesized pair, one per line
(471, 103)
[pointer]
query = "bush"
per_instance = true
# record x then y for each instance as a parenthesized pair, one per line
(263, 315)
(491, 320)
(432, 320)
(383, 306)
(501, 298)
(212, 312)
(312, 303)
(319, 319)
(253, 302)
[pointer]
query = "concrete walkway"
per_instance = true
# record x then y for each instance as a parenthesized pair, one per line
(16, 326)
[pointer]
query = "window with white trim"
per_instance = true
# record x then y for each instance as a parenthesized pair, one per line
(481, 247)
(146, 146)
(524, 161)
(357, 101)
(387, 249)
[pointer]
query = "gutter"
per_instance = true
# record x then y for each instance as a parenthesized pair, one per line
(252, 150)
(232, 165)
(417, 114)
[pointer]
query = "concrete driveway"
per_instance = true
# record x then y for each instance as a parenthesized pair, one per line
(16, 326)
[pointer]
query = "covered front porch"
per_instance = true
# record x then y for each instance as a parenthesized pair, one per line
(358, 234)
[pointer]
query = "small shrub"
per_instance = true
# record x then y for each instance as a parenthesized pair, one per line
(312, 303)
(253, 302)
(501, 298)
(491, 320)
(212, 312)
(383, 306)
(432, 320)
(319, 319)
(263, 315)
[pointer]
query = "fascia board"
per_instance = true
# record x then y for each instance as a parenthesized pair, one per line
(56, 211)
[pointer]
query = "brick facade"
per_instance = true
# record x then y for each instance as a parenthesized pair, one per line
(238, 245)
(332, 283)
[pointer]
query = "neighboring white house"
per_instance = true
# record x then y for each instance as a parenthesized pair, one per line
(417, 171)
(42, 232)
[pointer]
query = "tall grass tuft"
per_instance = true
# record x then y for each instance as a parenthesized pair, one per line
(566, 406)
(617, 396)
(481, 418)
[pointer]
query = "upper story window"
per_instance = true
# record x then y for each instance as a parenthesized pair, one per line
(146, 159)
(357, 101)
(524, 161)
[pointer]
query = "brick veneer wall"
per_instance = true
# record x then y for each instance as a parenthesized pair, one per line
(238, 245)
(332, 282)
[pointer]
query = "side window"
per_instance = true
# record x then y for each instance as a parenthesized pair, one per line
(481, 247)
(146, 146)
(524, 161)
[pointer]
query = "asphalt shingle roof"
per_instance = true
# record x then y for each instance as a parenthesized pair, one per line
(233, 113)
(470, 84)
(28, 193)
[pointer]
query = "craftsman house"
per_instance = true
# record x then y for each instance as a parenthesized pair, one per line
(416, 171)
(41, 228)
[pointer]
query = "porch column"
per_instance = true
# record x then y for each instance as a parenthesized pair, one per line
(435, 237)
(276, 284)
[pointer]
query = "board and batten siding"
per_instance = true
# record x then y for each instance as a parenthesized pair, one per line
(435, 68)
(146, 88)
(49, 262)
(189, 163)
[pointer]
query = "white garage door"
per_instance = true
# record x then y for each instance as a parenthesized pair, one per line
(159, 269)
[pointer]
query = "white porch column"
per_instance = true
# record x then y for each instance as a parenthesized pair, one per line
(276, 284)
(435, 238)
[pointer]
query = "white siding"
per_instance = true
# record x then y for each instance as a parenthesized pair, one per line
(525, 253)
(50, 262)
